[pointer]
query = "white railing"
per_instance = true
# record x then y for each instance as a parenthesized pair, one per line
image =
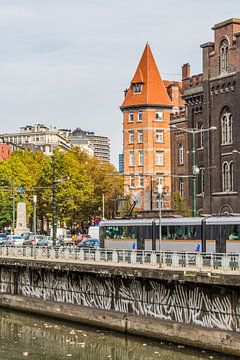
(164, 259)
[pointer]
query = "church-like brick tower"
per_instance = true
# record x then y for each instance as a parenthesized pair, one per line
(146, 109)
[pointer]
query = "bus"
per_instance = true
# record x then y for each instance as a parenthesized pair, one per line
(207, 234)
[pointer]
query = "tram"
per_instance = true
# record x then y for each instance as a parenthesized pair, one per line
(212, 234)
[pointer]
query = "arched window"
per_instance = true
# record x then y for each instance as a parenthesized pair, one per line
(223, 52)
(231, 176)
(181, 186)
(181, 154)
(226, 125)
(201, 180)
(227, 176)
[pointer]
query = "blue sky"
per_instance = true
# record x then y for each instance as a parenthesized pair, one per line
(66, 63)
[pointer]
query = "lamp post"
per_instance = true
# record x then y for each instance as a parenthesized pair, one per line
(195, 169)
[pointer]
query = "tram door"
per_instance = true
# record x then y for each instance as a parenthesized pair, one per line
(221, 234)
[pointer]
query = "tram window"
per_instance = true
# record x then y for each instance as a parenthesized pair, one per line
(120, 232)
(234, 232)
(182, 232)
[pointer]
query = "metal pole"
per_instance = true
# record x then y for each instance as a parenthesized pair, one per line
(35, 214)
(115, 197)
(103, 207)
(160, 216)
(194, 205)
(54, 229)
(13, 207)
(151, 191)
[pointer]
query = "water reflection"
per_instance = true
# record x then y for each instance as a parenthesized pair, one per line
(30, 337)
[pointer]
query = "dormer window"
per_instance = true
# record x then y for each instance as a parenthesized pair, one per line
(223, 51)
(137, 88)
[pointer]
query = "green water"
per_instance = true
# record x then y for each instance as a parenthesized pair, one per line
(30, 337)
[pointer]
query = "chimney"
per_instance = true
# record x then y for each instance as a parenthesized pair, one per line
(125, 92)
(185, 71)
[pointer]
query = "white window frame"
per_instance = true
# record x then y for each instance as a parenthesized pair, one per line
(160, 157)
(132, 181)
(141, 180)
(227, 176)
(131, 158)
(131, 137)
(223, 56)
(159, 136)
(130, 116)
(140, 114)
(137, 88)
(226, 125)
(140, 136)
(181, 187)
(159, 115)
(140, 157)
(180, 154)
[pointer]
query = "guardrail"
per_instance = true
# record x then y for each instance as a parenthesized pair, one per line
(163, 259)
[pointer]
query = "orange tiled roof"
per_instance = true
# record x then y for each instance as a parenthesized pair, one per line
(153, 88)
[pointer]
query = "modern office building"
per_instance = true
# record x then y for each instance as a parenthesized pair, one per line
(100, 144)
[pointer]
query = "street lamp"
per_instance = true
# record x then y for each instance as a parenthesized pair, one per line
(195, 169)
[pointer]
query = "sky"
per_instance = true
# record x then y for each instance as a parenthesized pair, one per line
(66, 63)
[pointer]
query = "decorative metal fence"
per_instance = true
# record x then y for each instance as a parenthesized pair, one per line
(163, 259)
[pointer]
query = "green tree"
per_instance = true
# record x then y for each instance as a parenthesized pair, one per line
(179, 204)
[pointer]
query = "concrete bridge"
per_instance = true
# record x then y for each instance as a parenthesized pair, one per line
(189, 298)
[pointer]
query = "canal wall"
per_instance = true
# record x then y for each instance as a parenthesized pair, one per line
(190, 308)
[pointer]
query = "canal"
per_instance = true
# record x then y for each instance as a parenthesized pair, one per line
(31, 337)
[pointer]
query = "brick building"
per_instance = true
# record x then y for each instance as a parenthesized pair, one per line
(5, 151)
(212, 100)
(147, 106)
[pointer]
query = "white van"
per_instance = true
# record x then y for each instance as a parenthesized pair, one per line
(93, 231)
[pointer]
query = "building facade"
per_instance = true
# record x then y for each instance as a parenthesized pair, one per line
(5, 151)
(213, 101)
(100, 144)
(37, 138)
(146, 109)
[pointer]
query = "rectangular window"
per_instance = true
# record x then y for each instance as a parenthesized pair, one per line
(140, 136)
(139, 115)
(159, 136)
(160, 179)
(159, 115)
(131, 137)
(141, 180)
(131, 158)
(159, 157)
(137, 88)
(132, 180)
(140, 157)
(130, 118)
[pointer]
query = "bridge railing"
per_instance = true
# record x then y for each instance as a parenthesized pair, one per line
(163, 259)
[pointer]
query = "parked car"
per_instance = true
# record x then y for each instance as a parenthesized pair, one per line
(90, 244)
(13, 240)
(45, 241)
(32, 240)
(65, 239)
(2, 238)
(26, 235)
(83, 237)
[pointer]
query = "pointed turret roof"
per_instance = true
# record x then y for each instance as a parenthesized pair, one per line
(153, 89)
